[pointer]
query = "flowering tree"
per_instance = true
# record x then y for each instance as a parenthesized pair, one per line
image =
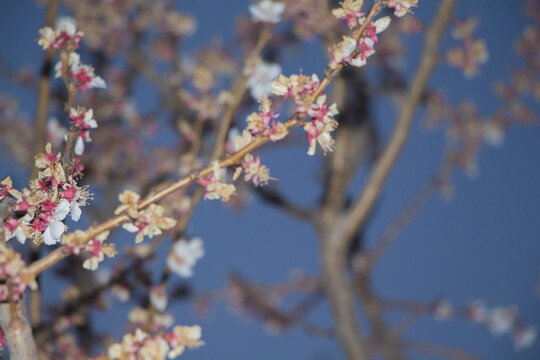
(148, 169)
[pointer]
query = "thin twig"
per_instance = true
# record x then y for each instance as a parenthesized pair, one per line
(219, 147)
(274, 198)
(44, 90)
(405, 216)
(17, 331)
(440, 351)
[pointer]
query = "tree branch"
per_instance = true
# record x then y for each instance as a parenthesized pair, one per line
(272, 197)
(17, 330)
(55, 256)
(364, 204)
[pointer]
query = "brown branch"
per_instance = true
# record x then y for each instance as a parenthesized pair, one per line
(238, 94)
(273, 197)
(337, 233)
(387, 341)
(17, 330)
(44, 87)
(44, 90)
(219, 147)
(405, 216)
(366, 201)
(339, 293)
(440, 351)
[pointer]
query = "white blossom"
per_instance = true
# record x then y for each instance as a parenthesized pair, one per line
(493, 134)
(67, 25)
(444, 310)
(524, 337)
(349, 45)
(79, 146)
(53, 233)
(260, 81)
(381, 24)
(267, 11)
(501, 320)
(184, 256)
(158, 297)
(55, 131)
(62, 210)
(97, 82)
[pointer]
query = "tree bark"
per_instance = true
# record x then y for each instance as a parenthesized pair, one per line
(17, 331)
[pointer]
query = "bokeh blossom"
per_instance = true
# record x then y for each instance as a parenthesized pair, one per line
(267, 11)
(184, 255)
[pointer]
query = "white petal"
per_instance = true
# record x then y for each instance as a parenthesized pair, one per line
(349, 46)
(47, 237)
(62, 210)
(75, 212)
(381, 24)
(369, 42)
(57, 229)
(358, 62)
(58, 69)
(66, 24)
(88, 115)
(75, 61)
(183, 269)
(196, 247)
(98, 82)
(92, 123)
(79, 146)
(130, 227)
(312, 146)
(267, 11)
(20, 235)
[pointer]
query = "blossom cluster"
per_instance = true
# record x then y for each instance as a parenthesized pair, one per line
(141, 345)
(215, 187)
(253, 170)
(12, 285)
(65, 32)
(148, 222)
(301, 88)
(499, 320)
(184, 254)
(95, 247)
(355, 53)
(39, 212)
(472, 52)
(402, 7)
(83, 120)
(467, 130)
(321, 122)
(350, 11)
(267, 11)
(142, 318)
(81, 74)
(76, 73)
(261, 77)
